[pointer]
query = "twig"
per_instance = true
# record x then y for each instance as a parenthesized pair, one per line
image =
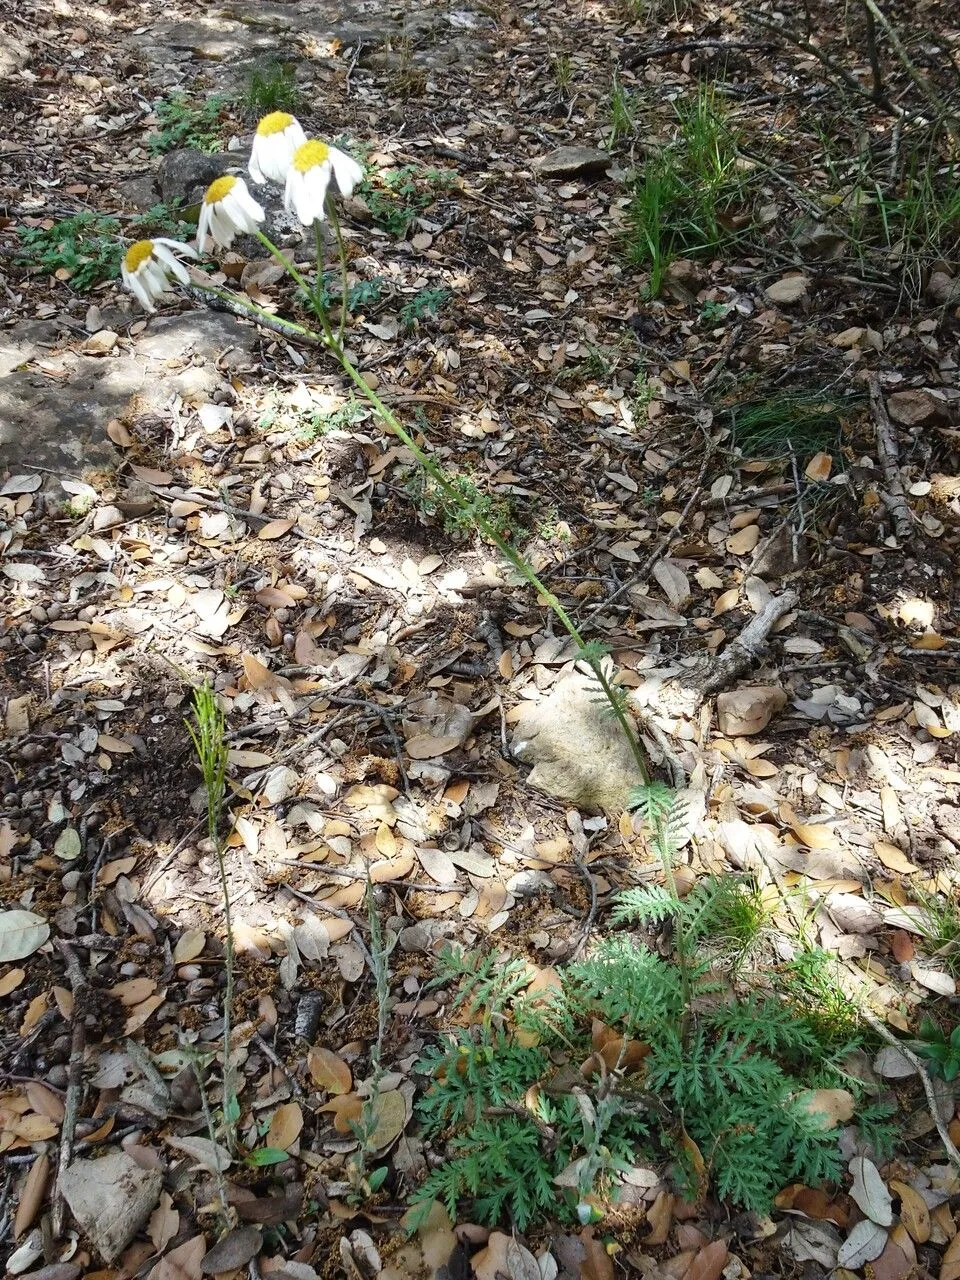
(953, 1155)
(340, 700)
(272, 1057)
(941, 109)
(587, 922)
(78, 988)
(690, 46)
(508, 1108)
(890, 462)
(742, 652)
(841, 73)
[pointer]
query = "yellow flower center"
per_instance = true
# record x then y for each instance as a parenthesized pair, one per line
(218, 190)
(137, 255)
(310, 155)
(274, 123)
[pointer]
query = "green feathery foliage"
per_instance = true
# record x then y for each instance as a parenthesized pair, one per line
(730, 1070)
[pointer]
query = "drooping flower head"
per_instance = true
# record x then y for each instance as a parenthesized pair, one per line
(228, 209)
(309, 175)
(148, 265)
(277, 138)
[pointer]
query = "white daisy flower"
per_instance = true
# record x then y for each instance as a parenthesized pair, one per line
(277, 138)
(228, 209)
(147, 266)
(309, 177)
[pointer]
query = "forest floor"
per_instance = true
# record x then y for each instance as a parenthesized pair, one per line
(756, 418)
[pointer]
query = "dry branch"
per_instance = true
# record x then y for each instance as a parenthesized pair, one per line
(748, 646)
(890, 462)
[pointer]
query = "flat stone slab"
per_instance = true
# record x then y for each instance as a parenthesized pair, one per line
(577, 750)
(574, 162)
(59, 421)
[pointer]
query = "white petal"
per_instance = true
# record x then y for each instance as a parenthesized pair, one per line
(221, 227)
(180, 272)
(256, 173)
(176, 246)
(315, 183)
(293, 181)
(346, 171)
(141, 295)
(248, 205)
(203, 226)
(154, 278)
(163, 254)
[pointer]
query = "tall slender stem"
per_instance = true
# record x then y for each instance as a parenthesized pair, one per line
(515, 559)
(344, 275)
(284, 261)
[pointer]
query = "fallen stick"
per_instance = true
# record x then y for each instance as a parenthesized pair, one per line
(743, 652)
(890, 463)
(68, 1127)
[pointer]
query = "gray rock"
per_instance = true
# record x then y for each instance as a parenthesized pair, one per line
(21, 345)
(577, 751)
(60, 423)
(14, 54)
(918, 407)
(215, 39)
(185, 174)
(574, 162)
(139, 193)
(111, 1198)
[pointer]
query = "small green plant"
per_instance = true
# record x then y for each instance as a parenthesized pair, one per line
(423, 304)
(364, 1181)
(551, 528)
(365, 293)
(939, 926)
(310, 424)
(622, 115)
(207, 733)
(84, 250)
(271, 87)
(460, 506)
(941, 1051)
(161, 220)
(811, 980)
(318, 424)
(185, 122)
(396, 197)
(713, 312)
(804, 421)
(691, 197)
(716, 1077)
(562, 67)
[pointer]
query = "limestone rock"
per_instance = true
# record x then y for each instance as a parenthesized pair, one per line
(577, 751)
(789, 290)
(185, 174)
(60, 422)
(917, 408)
(743, 712)
(574, 162)
(14, 54)
(943, 289)
(111, 1198)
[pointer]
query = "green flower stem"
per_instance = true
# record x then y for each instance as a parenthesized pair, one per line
(248, 305)
(285, 262)
(344, 276)
(509, 553)
(318, 242)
